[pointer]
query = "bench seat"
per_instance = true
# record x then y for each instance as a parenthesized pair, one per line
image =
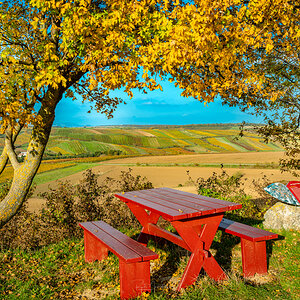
(253, 244)
(134, 258)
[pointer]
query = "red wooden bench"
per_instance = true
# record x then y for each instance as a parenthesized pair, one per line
(253, 244)
(134, 258)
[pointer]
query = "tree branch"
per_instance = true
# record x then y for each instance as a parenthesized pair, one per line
(3, 160)
(10, 138)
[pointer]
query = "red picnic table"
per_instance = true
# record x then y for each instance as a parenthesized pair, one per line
(196, 219)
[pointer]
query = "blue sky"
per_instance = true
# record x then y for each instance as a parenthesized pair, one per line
(156, 107)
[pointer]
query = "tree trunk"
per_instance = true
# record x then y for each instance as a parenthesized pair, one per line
(3, 160)
(24, 173)
(4, 155)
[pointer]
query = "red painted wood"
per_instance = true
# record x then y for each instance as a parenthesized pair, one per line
(209, 230)
(144, 237)
(196, 219)
(140, 213)
(294, 187)
(254, 257)
(93, 248)
(144, 218)
(212, 268)
(114, 245)
(245, 231)
(172, 237)
(229, 205)
(253, 244)
(166, 212)
(134, 259)
(167, 201)
(199, 229)
(192, 269)
(178, 203)
(190, 201)
(198, 234)
(134, 279)
(146, 253)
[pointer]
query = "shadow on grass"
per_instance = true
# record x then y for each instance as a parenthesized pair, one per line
(224, 249)
(228, 241)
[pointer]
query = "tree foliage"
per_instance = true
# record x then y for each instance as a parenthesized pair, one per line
(65, 48)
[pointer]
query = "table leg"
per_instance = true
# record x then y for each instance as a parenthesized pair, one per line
(212, 268)
(192, 269)
(198, 235)
(144, 218)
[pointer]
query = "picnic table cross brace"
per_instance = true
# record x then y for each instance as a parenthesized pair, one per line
(195, 235)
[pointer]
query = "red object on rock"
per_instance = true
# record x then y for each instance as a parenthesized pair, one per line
(294, 187)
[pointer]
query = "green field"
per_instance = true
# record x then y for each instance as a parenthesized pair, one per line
(150, 140)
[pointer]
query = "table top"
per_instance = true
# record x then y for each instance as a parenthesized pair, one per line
(177, 205)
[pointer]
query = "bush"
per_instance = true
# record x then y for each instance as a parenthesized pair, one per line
(67, 205)
(16, 230)
(231, 188)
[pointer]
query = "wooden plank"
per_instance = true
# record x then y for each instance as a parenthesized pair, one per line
(196, 198)
(248, 228)
(141, 250)
(227, 204)
(176, 205)
(114, 245)
(246, 231)
(166, 201)
(187, 201)
(165, 212)
(188, 197)
(170, 236)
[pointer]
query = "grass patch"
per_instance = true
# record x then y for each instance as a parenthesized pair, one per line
(47, 167)
(62, 172)
(59, 272)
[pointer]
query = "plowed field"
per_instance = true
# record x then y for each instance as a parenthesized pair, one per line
(176, 175)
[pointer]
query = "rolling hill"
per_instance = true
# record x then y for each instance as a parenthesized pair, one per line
(149, 140)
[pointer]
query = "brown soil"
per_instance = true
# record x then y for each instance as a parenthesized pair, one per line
(145, 133)
(95, 131)
(225, 158)
(174, 176)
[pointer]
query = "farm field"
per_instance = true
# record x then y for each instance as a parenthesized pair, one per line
(161, 153)
(149, 140)
(203, 159)
(171, 171)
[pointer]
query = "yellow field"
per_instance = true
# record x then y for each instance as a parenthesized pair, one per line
(44, 167)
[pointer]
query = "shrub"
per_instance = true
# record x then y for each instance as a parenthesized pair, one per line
(67, 205)
(16, 230)
(231, 188)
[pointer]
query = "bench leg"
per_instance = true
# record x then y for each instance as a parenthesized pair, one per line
(93, 248)
(134, 279)
(254, 257)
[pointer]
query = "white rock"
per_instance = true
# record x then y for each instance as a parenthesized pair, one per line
(282, 216)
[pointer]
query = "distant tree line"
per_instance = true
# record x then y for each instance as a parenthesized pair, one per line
(49, 155)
